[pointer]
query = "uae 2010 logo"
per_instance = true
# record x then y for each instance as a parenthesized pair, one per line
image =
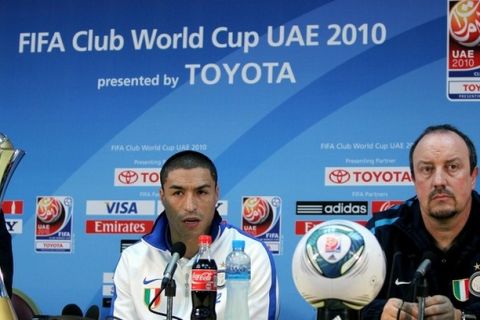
(261, 218)
(464, 22)
(463, 56)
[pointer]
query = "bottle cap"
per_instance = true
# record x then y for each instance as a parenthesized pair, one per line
(204, 239)
(238, 244)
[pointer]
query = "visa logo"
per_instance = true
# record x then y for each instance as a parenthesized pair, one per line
(121, 207)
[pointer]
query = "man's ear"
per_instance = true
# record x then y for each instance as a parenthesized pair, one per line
(162, 194)
(474, 177)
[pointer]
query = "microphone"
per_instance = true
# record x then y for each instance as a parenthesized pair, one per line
(424, 267)
(420, 282)
(178, 250)
(72, 310)
(395, 257)
(93, 312)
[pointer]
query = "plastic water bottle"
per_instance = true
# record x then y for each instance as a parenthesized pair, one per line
(238, 282)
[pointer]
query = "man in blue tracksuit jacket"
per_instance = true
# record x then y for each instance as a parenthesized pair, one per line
(189, 194)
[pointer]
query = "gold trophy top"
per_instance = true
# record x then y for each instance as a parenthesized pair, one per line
(9, 159)
(5, 143)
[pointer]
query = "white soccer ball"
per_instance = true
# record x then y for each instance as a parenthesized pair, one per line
(339, 260)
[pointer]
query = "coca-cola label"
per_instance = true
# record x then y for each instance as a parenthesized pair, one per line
(204, 279)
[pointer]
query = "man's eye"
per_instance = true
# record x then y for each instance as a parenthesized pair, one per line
(426, 170)
(453, 167)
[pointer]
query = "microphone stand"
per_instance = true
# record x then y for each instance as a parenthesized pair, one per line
(170, 291)
(335, 309)
(421, 293)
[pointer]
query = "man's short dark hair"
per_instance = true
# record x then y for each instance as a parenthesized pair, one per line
(187, 160)
(445, 128)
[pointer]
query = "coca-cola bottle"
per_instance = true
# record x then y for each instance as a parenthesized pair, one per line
(204, 282)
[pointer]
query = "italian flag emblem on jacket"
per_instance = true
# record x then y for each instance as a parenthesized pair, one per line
(460, 289)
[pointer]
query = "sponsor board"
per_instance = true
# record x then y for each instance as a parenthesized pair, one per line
(463, 50)
(107, 289)
(367, 176)
(261, 219)
(378, 206)
(160, 207)
(137, 177)
(332, 207)
(222, 207)
(53, 224)
(14, 226)
(53, 246)
(302, 227)
(125, 243)
(12, 207)
(118, 226)
(120, 207)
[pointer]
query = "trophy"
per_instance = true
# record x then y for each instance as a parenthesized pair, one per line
(9, 159)
(7, 311)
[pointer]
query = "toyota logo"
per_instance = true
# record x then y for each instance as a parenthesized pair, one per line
(128, 177)
(339, 176)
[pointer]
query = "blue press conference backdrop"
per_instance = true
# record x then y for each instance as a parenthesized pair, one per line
(288, 98)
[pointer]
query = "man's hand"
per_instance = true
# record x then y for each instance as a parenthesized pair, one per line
(440, 307)
(396, 309)
(436, 308)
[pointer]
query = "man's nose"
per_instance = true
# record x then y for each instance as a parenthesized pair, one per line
(190, 202)
(439, 177)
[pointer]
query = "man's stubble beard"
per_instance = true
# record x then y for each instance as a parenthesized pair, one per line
(442, 215)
